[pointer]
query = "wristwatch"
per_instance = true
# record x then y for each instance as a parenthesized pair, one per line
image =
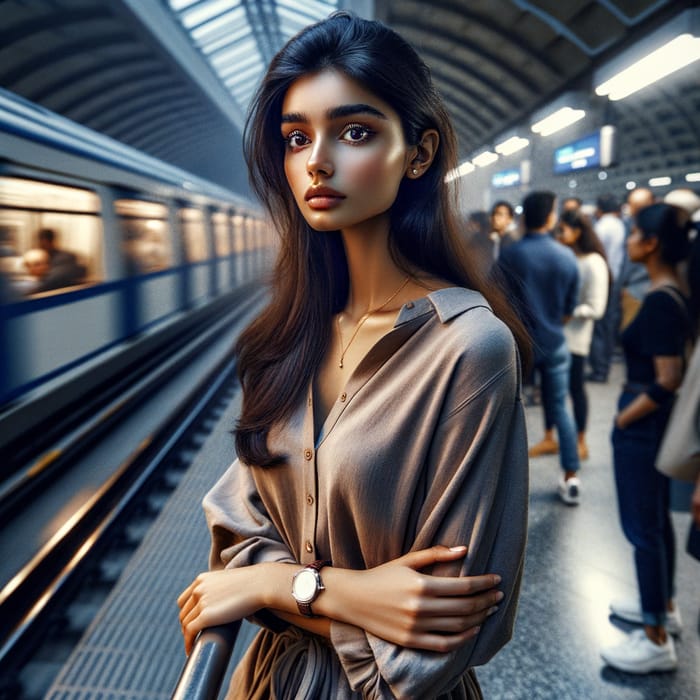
(306, 586)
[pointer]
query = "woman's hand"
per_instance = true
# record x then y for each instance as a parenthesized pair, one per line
(217, 598)
(398, 603)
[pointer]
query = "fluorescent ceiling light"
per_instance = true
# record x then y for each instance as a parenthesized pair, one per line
(485, 158)
(659, 181)
(692, 177)
(464, 169)
(676, 54)
(511, 145)
(558, 120)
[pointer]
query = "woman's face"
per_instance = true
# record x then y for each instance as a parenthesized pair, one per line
(638, 247)
(568, 235)
(345, 152)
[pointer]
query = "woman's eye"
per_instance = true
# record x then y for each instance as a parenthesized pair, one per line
(296, 139)
(356, 133)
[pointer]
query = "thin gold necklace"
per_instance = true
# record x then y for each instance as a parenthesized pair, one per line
(343, 350)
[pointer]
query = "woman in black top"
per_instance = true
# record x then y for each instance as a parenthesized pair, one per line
(654, 347)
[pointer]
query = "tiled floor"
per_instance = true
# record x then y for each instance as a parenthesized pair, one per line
(577, 560)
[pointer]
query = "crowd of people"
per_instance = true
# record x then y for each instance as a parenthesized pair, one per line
(618, 280)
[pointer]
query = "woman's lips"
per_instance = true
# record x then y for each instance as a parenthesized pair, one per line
(323, 198)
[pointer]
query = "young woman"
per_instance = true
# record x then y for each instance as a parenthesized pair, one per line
(375, 521)
(576, 232)
(654, 345)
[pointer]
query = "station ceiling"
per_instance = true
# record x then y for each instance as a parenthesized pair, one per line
(173, 77)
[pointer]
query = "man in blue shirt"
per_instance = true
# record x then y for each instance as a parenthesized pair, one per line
(543, 276)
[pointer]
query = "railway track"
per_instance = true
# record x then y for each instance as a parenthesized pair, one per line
(47, 605)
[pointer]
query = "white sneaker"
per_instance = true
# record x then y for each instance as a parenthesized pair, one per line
(570, 490)
(630, 610)
(638, 654)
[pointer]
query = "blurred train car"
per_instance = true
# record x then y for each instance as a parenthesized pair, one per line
(148, 242)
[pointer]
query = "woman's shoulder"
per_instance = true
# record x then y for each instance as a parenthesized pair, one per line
(594, 262)
(470, 327)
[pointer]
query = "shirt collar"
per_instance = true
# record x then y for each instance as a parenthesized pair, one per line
(447, 303)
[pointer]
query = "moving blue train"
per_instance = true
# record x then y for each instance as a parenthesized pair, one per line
(135, 243)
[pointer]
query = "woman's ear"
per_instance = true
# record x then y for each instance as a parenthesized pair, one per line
(423, 154)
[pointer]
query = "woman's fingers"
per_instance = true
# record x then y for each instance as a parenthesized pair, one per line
(422, 558)
(440, 642)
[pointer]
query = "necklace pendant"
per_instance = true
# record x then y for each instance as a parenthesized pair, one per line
(341, 363)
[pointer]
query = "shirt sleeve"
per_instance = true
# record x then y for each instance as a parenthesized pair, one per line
(594, 294)
(477, 494)
(665, 326)
(242, 532)
(572, 291)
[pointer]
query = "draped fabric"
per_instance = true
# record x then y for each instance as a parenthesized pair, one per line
(426, 445)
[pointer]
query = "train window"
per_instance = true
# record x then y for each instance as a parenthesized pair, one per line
(222, 239)
(145, 239)
(237, 223)
(50, 237)
(194, 234)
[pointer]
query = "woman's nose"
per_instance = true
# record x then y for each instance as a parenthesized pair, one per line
(319, 160)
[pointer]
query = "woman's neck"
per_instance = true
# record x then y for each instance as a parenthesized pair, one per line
(661, 273)
(374, 276)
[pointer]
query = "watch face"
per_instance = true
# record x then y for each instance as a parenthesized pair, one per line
(305, 586)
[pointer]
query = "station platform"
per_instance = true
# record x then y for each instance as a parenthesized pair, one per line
(577, 561)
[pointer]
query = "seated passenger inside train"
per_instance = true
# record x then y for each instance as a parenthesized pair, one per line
(48, 267)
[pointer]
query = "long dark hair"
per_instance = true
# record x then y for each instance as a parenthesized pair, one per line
(671, 226)
(281, 350)
(588, 241)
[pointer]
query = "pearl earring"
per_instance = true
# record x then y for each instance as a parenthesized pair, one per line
(414, 171)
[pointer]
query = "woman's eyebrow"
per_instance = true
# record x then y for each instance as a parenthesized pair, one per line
(347, 110)
(335, 113)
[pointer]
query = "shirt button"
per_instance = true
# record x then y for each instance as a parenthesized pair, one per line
(409, 305)
(309, 499)
(343, 396)
(309, 547)
(308, 454)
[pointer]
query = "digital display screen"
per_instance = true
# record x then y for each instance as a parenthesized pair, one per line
(577, 155)
(506, 178)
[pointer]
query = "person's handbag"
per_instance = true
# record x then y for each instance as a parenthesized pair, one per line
(679, 454)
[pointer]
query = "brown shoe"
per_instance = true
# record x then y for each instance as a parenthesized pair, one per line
(544, 447)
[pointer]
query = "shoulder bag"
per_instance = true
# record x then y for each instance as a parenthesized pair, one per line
(679, 454)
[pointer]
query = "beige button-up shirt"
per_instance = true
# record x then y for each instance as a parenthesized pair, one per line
(426, 445)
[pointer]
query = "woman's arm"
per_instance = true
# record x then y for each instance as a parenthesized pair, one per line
(393, 601)
(695, 503)
(668, 376)
(594, 296)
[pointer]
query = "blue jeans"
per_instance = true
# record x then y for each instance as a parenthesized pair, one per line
(554, 371)
(605, 334)
(643, 502)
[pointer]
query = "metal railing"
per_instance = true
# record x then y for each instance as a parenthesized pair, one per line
(205, 668)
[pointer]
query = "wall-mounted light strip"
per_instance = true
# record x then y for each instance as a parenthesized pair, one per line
(558, 120)
(659, 181)
(512, 145)
(485, 158)
(460, 171)
(672, 56)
